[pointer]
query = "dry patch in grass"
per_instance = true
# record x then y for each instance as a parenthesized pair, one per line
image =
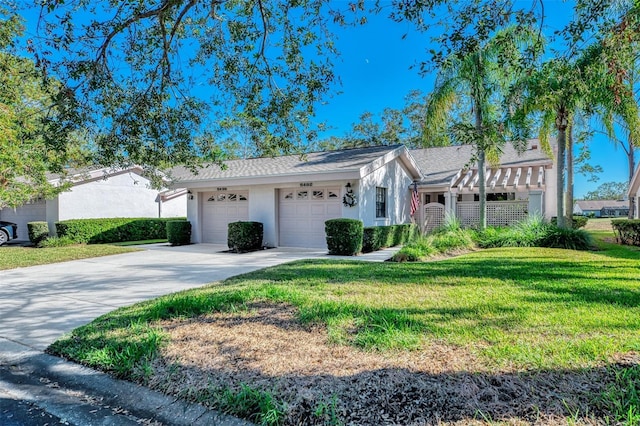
(267, 348)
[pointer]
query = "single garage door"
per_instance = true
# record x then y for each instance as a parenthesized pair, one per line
(218, 210)
(303, 212)
(32, 212)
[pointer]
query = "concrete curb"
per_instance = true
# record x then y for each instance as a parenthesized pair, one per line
(82, 396)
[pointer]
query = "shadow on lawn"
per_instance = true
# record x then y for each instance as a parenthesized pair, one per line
(400, 395)
(383, 395)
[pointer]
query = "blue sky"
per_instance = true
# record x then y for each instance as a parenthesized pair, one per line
(375, 70)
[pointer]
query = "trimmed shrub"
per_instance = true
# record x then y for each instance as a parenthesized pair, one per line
(344, 236)
(627, 231)
(577, 222)
(113, 230)
(38, 232)
(179, 232)
(377, 237)
(245, 236)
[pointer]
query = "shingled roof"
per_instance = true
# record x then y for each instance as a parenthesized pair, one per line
(441, 164)
(357, 160)
(595, 205)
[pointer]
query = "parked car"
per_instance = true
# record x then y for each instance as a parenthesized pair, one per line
(8, 231)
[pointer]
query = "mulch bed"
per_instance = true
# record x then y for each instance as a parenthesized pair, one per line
(267, 348)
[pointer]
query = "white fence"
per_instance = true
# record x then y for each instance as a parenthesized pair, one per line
(499, 213)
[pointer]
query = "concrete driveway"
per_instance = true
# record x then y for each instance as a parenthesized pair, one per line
(41, 303)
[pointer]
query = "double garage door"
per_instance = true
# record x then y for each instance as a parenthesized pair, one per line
(302, 214)
(218, 210)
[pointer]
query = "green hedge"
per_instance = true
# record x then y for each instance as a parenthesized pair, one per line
(627, 231)
(179, 232)
(376, 237)
(244, 236)
(38, 232)
(577, 221)
(113, 230)
(344, 236)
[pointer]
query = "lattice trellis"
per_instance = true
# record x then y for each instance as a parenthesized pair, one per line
(433, 217)
(499, 213)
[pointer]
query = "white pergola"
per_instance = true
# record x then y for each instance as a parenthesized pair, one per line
(503, 177)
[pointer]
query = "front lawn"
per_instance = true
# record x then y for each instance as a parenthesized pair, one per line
(20, 257)
(509, 334)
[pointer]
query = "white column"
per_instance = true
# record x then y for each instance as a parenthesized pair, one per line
(535, 203)
(450, 203)
(193, 215)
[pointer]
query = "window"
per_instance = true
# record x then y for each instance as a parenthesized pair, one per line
(381, 202)
(501, 196)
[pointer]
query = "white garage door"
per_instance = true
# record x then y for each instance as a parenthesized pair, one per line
(32, 212)
(303, 212)
(218, 210)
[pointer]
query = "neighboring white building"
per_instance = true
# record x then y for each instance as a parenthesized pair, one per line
(292, 196)
(99, 194)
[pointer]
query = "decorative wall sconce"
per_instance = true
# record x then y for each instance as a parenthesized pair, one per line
(190, 195)
(350, 199)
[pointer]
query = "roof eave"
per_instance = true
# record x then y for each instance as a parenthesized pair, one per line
(400, 152)
(267, 179)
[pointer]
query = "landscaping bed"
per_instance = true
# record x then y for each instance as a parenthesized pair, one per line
(516, 335)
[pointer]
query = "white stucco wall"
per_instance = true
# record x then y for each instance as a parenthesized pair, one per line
(124, 195)
(263, 202)
(193, 215)
(174, 207)
(395, 178)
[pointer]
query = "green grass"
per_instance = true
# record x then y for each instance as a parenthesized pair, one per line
(20, 257)
(528, 309)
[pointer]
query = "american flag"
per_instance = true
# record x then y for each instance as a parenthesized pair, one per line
(415, 199)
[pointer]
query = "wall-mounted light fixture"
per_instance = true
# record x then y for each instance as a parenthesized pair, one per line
(190, 194)
(349, 199)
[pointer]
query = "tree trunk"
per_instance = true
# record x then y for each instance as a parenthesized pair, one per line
(569, 198)
(562, 143)
(632, 165)
(482, 188)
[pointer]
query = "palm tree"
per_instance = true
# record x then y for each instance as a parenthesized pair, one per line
(594, 84)
(478, 80)
(554, 93)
